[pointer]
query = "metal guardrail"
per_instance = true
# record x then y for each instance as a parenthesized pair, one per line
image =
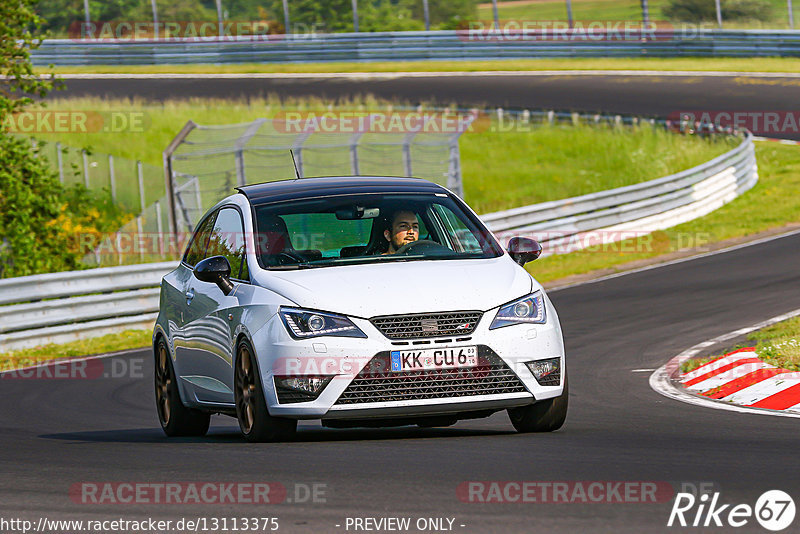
(100, 301)
(97, 302)
(442, 45)
(644, 207)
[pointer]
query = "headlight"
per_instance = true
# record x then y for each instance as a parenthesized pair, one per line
(528, 310)
(303, 324)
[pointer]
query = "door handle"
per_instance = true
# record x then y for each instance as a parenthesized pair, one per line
(189, 296)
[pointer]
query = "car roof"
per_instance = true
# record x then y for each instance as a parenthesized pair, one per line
(278, 191)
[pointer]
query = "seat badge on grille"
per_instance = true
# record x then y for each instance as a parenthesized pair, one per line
(429, 325)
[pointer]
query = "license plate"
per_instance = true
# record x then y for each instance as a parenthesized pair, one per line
(425, 359)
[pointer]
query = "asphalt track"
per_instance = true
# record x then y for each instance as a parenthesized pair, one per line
(56, 433)
(647, 95)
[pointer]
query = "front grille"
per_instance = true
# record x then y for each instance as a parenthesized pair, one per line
(553, 379)
(424, 325)
(289, 396)
(377, 383)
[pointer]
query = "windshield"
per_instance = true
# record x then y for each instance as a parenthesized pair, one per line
(373, 228)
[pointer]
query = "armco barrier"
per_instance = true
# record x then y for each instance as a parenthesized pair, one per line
(441, 45)
(129, 295)
(128, 299)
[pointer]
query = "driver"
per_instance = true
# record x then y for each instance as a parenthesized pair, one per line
(404, 230)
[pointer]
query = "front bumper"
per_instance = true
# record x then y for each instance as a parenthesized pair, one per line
(345, 358)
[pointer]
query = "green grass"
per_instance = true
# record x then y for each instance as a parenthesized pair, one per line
(773, 202)
(129, 339)
(777, 345)
(504, 170)
(501, 169)
(789, 65)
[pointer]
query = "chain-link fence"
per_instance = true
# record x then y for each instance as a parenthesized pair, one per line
(132, 184)
(208, 162)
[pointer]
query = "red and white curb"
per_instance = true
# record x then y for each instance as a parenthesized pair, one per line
(740, 377)
(737, 382)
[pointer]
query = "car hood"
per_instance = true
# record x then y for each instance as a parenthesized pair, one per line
(402, 287)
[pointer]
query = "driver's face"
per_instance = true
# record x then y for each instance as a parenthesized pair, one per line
(405, 229)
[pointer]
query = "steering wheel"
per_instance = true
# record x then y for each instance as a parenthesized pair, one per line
(420, 246)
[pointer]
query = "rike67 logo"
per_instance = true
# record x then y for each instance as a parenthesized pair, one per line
(774, 510)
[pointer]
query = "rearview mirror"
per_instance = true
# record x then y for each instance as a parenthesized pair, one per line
(522, 250)
(215, 270)
(357, 212)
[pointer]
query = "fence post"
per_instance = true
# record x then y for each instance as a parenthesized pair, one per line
(551, 116)
(138, 241)
(85, 168)
(118, 242)
(160, 229)
(239, 160)
(169, 185)
(112, 178)
(454, 182)
(140, 176)
(355, 168)
(60, 160)
(407, 154)
(241, 142)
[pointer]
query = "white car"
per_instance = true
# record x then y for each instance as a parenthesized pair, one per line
(357, 301)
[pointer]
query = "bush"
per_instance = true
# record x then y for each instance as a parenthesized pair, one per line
(44, 226)
(705, 10)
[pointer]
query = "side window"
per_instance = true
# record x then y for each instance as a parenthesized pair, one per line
(197, 247)
(461, 236)
(227, 239)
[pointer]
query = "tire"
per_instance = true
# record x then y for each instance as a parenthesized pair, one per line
(543, 416)
(255, 422)
(175, 418)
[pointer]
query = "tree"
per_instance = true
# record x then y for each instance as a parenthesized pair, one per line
(448, 14)
(39, 219)
(337, 15)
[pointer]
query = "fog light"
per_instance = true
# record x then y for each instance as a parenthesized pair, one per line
(546, 372)
(306, 384)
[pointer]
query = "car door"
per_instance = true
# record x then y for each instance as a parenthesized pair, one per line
(212, 316)
(176, 285)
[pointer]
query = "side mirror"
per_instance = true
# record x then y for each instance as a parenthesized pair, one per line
(216, 270)
(522, 250)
